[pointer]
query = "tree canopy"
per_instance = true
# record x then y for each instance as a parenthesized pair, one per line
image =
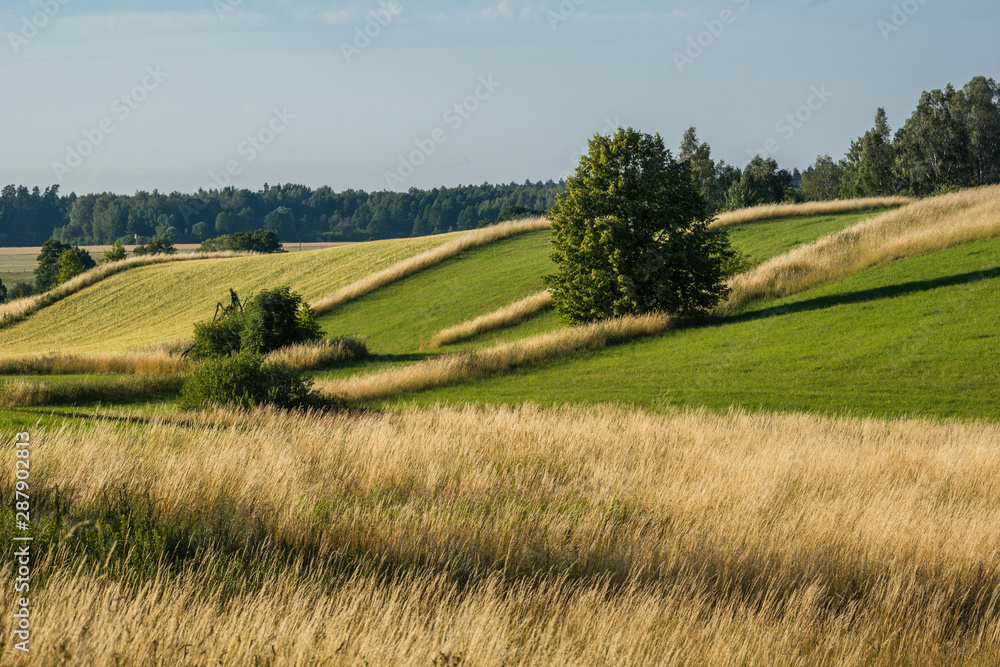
(630, 235)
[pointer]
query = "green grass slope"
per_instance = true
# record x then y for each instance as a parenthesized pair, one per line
(759, 241)
(161, 303)
(401, 316)
(920, 336)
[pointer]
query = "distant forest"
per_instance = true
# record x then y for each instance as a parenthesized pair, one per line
(951, 141)
(295, 212)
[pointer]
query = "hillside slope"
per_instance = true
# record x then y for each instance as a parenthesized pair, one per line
(919, 336)
(161, 303)
(403, 315)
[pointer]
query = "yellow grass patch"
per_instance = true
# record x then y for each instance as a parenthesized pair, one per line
(15, 311)
(528, 536)
(774, 211)
(152, 304)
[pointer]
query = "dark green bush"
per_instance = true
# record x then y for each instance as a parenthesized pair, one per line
(244, 380)
(160, 245)
(20, 290)
(217, 338)
(261, 241)
(270, 321)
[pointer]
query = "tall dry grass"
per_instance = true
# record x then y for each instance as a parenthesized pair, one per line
(524, 536)
(773, 211)
(407, 267)
(320, 354)
(16, 311)
(152, 362)
(507, 316)
(473, 364)
(29, 393)
(926, 226)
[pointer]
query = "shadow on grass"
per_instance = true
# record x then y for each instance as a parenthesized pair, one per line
(876, 294)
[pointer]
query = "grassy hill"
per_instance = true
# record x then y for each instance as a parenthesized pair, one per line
(401, 316)
(161, 303)
(914, 337)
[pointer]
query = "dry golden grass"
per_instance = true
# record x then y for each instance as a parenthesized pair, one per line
(926, 226)
(773, 211)
(473, 364)
(151, 362)
(321, 354)
(528, 536)
(504, 317)
(15, 311)
(408, 267)
(28, 393)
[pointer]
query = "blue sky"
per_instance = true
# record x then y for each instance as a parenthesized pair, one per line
(116, 96)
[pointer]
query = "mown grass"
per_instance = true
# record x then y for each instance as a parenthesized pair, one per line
(161, 303)
(403, 315)
(511, 536)
(409, 313)
(915, 337)
(759, 240)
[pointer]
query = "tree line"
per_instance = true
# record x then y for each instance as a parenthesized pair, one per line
(293, 212)
(950, 141)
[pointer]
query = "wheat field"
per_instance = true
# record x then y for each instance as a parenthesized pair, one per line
(515, 536)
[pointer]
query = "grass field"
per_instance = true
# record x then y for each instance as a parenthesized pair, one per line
(810, 480)
(914, 337)
(18, 264)
(403, 316)
(513, 536)
(161, 303)
(400, 317)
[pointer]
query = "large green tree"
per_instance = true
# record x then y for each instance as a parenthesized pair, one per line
(631, 236)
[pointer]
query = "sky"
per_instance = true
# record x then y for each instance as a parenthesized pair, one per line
(115, 96)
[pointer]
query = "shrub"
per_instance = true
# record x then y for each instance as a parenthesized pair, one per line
(270, 321)
(116, 254)
(69, 267)
(217, 338)
(244, 380)
(160, 245)
(20, 290)
(276, 318)
(261, 241)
